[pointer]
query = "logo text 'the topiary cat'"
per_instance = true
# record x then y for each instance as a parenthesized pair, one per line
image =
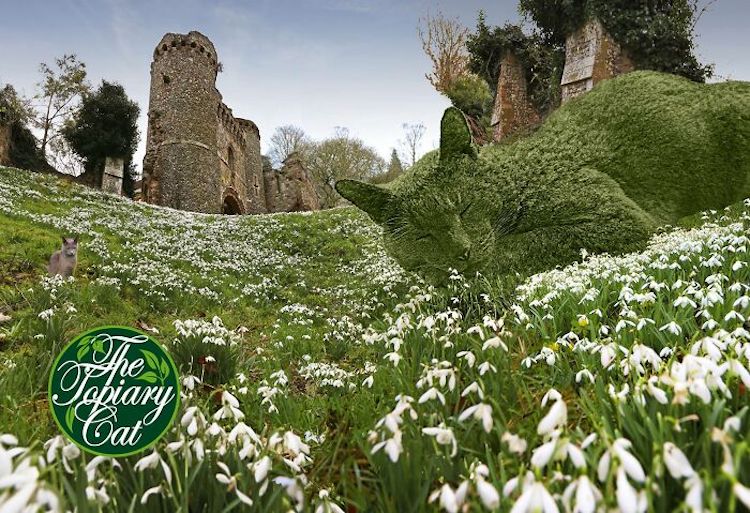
(114, 391)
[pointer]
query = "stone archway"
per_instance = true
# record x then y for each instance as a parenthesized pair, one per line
(232, 205)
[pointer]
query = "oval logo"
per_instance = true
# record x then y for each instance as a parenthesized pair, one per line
(114, 391)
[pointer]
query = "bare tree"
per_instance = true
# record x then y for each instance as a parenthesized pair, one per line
(413, 135)
(341, 156)
(444, 42)
(59, 93)
(288, 139)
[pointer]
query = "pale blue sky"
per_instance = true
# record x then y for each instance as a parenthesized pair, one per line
(317, 64)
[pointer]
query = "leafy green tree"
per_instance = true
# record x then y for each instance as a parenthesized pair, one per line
(60, 91)
(471, 94)
(338, 157)
(17, 112)
(395, 169)
(105, 126)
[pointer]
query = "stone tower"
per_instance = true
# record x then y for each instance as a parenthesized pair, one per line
(182, 125)
(199, 156)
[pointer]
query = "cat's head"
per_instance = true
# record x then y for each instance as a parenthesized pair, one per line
(70, 246)
(433, 221)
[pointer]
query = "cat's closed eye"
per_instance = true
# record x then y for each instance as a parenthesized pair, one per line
(466, 209)
(423, 237)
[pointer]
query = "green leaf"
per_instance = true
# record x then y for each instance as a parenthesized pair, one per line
(98, 346)
(164, 368)
(151, 359)
(82, 351)
(84, 341)
(70, 415)
(149, 377)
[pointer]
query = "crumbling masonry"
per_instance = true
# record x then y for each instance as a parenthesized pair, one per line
(199, 156)
(591, 55)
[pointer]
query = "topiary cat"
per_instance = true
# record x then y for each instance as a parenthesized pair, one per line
(602, 173)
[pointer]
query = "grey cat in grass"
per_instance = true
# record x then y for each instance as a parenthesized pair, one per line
(64, 260)
(602, 174)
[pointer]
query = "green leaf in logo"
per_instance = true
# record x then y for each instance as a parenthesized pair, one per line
(98, 346)
(149, 377)
(70, 415)
(151, 359)
(82, 351)
(164, 368)
(84, 341)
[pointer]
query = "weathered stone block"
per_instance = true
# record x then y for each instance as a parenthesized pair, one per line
(591, 55)
(112, 175)
(512, 110)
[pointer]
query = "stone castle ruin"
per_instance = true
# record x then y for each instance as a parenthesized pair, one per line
(591, 55)
(199, 156)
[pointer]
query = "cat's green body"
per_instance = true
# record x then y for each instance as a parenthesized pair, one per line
(602, 173)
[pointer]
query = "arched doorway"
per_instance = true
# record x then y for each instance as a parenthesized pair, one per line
(231, 206)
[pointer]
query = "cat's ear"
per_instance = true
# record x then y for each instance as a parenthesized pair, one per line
(64, 239)
(75, 239)
(372, 199)
(455, 136)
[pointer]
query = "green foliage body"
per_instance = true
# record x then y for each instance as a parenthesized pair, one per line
(603, 172)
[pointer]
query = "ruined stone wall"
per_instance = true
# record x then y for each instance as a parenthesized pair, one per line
(5, 137)
(591, 55)
(256, 203)
(290, 189)
(512, 110)
(181, 166)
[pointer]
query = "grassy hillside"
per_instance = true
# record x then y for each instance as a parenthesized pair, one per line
(344, 382)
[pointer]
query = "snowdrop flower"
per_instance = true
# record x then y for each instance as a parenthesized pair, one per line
(443, 436)
(742, 492)
(516, 444)
(557, 415)
(473, 388)
(450, 501)
(493, 343)
(694, 496)
(487, 494)
(148, 493)
(189, 382)
(671, 327)
(676, 462)
(393, 447)
(628, 500)
(230, 408)
(535, 499)
(587, 495)
(152, 461)
(294, 488)
(481, 411)
(431, 394)
(628, 462)
(486, 367)
(327, 506)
